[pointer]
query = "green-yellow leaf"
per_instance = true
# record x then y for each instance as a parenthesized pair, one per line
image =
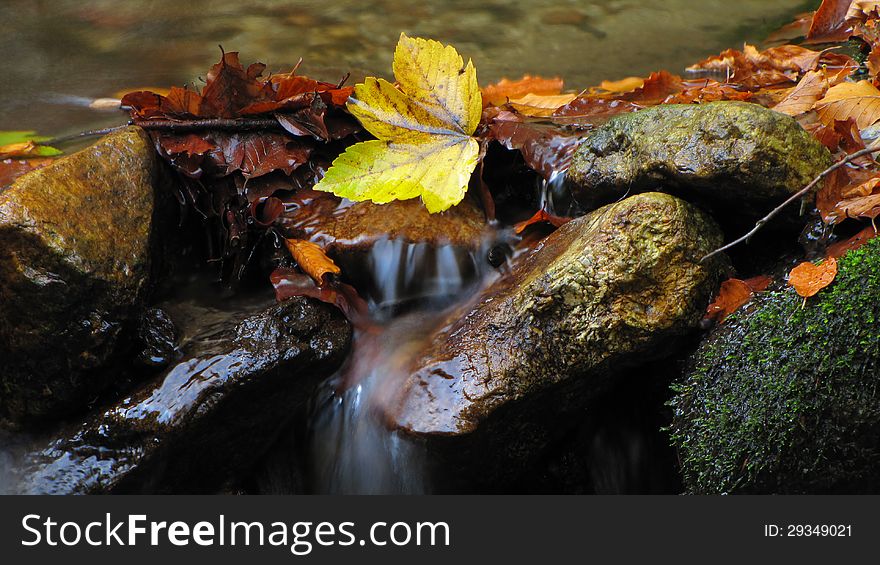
(24, 145)
(424, 126)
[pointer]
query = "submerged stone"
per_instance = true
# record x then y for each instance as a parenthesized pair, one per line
(207, 419)
(783, 397)
(75, 264)
(605, 292)
(738, 159)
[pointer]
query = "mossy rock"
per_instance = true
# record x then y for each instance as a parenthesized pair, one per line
(785, 397)
(735, 158)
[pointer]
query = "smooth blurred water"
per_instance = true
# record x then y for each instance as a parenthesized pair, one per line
(56, 54)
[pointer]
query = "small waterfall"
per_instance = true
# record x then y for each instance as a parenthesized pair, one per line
(351, 450)
(554, 197)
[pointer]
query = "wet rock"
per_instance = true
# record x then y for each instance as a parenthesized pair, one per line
(206, 420)
(783, 397)
(75, 263)
(605, 292)
(737, 159)
(158, 338)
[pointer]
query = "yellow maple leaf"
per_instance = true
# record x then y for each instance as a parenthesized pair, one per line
(424, 126)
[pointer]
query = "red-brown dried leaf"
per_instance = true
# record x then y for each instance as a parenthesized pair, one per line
(257, 154)
(541, 217)
(853, 193)
(707, 90)
(11, 169)
(229, 87)
(181, 102)
(190, 144)
(506, 89)
(547, 149)
(830, 22)
(731, 296)
(592, 108)
(841, 248)
(289, 283)
(265, 211)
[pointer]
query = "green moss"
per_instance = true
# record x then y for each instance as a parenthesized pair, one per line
(784, 398)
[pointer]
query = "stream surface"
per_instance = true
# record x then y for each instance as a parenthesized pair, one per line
(59, 55)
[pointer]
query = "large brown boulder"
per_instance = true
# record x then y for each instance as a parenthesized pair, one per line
(605, 292)
(75, 264)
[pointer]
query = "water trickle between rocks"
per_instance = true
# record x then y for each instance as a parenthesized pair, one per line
(352, 450)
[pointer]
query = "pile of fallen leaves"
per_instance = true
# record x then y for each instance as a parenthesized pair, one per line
(244, 143)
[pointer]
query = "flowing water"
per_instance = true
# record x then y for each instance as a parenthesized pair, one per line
(60, 55)
(351, 450)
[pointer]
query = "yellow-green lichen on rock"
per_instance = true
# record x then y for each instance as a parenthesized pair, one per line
(735, 158)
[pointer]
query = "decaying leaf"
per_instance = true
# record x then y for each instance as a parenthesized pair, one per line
(841, 248)
(830, 22)
(857, 100)
(808, 278)
(733, 294)
(803, 97)
(423, 125)
(776, 66)
(541, 217)
(504, 90)
(11, 169)
(311, 259)
(592, 107)
(546, 148)
(622, 86)
(289, 283)
(540, 105)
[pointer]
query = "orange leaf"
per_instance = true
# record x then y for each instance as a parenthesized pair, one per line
(539, 217)
(154, 89)
(311, 258)
(804, 96)
(500, 92)
(849, 194)
(540, 105)
(857, 100)
(759, 283)
(731, 296)
(808, 278)
(623, 85)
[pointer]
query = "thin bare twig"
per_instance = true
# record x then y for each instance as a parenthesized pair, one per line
(226, 124)
(799, 194)
(89, 133)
